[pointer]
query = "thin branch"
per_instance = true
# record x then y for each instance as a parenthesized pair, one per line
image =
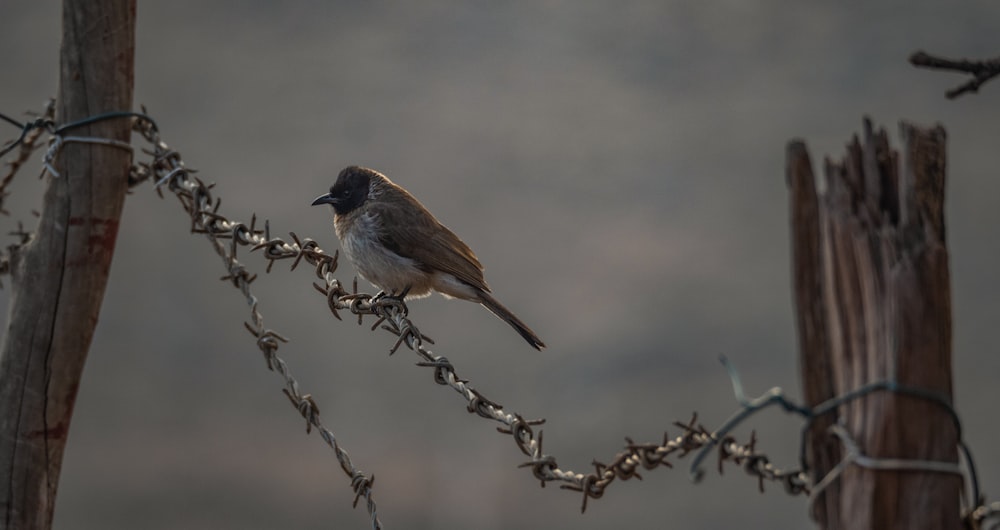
(981, 71)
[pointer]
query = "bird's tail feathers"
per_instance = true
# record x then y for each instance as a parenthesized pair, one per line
(505, 314)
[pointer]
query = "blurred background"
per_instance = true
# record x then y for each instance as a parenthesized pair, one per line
(618, 167)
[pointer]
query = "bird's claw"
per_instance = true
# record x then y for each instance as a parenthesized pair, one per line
(391, 300)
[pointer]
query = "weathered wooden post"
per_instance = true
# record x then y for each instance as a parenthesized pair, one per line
(873, 303)
(60, 276)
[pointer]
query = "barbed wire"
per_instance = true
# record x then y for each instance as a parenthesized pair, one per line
(169, 172)
(391, 315)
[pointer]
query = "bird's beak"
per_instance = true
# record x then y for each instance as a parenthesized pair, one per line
(324, 199)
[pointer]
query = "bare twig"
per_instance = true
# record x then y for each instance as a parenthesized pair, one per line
(981, 71)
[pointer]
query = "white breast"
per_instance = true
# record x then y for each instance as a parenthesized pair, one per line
(387, 270)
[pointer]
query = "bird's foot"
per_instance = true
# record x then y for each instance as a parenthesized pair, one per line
(395, 300)
(398, 297)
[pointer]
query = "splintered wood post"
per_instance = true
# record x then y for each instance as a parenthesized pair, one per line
(823, 451)
(873, 303)
(59, 277)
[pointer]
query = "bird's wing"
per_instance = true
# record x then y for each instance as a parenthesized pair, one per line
(417, 235)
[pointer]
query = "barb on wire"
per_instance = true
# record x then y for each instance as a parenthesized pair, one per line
(168, 169)
(981, 71)
(694, 436)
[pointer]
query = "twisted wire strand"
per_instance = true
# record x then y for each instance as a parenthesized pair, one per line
(196, 197)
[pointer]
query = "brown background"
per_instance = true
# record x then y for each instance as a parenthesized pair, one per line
(618, 168)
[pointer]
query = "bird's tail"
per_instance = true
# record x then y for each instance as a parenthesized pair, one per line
(499, 310)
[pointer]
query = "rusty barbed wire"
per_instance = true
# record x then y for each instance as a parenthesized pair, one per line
(195, 196)
(168, 170)
(392, 315)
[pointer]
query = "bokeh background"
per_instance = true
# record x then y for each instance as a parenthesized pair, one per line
(618, 167)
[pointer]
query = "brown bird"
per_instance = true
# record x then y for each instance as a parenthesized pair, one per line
(398, 245)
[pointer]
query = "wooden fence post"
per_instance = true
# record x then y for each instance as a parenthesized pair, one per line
(873, 303)
(60, 275)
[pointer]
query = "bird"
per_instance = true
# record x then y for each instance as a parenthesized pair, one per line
(395, 243)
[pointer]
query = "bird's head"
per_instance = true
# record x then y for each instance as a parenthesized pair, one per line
(350, 191)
